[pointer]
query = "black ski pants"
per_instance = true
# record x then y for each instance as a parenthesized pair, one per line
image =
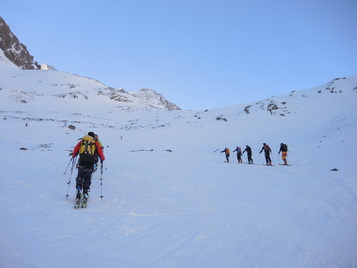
(267, 157)
(84, 177)
(250, 160)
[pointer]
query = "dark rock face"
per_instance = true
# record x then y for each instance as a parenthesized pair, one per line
(14, 50)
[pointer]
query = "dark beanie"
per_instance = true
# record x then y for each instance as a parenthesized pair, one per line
(91, 134)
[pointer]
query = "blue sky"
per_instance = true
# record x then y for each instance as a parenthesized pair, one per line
(198, 54)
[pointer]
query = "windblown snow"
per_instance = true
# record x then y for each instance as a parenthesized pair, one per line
(169, 198)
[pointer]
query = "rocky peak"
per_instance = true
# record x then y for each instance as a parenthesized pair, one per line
(14, 50)
(155, 99)
(47, 67)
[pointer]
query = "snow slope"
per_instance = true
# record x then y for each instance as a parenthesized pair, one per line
(169, 198)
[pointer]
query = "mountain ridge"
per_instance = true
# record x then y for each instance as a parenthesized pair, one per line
(14, 51)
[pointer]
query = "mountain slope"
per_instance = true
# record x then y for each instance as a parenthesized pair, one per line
(32, 87)
(169, 199)
(27, 85)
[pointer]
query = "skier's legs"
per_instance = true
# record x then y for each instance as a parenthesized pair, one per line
(239, 158)
(79, 179)
(250, 160)
(284, 156)
(87, 180)
(83, 180)
(267, 158)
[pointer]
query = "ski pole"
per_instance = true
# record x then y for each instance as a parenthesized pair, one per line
(70, 176)
(68, 165)
(101, 180)
(287, 157)
(278, 158)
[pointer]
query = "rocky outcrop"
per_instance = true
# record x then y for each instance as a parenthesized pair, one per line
(47, 67)
(155, 99)
(14, 50)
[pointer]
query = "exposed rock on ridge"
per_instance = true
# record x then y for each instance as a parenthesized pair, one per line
(155, 99)
(14, 50)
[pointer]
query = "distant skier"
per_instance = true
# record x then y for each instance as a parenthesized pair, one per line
(284, 152)
(87, 148)
(226, 151)
(96, 138)
(96, 159)
(267, 152)
(239, 154)
(249, 154)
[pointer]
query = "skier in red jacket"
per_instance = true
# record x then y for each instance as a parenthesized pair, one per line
(87, 148)
(267, 152)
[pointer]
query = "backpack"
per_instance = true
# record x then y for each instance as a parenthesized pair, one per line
(284, 147)
(239, 150)
(266, 147)
(87, 149)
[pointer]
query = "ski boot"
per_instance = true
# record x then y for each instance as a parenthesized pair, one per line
(84, 199)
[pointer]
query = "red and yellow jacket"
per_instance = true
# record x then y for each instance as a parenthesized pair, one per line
(99, 149)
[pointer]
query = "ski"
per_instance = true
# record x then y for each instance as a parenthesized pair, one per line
(77, 204)
(289, 165)
(84, 203)
(81, 203)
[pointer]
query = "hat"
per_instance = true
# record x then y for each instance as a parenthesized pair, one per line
(91, 134)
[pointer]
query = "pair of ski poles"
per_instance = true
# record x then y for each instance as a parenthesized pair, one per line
(73, 161)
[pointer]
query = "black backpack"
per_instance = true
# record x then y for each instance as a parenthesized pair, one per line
(284, 147)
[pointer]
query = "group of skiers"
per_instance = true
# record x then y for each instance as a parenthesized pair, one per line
(267, 151)
(90, 150)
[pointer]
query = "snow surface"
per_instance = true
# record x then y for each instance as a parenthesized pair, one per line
(169, 198)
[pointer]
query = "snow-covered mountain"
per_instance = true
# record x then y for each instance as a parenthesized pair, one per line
(30, 87)
(169, 198)
(156, 99)
(62, 85)
(47, 67)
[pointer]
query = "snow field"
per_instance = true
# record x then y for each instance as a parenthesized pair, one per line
(172, 209)
(169, 199)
